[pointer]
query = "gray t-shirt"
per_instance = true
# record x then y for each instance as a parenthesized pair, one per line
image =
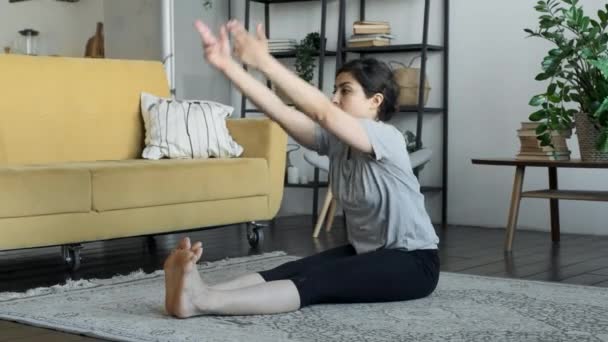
(379, 192)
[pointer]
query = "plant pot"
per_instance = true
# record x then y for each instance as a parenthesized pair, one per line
(408, 79)
(588, 136)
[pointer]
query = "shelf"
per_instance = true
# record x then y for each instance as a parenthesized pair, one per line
(280, 1)
(394, 48)
(414, 109)
(575, 195)
(431, 189)
(307, 186)
(292, 54)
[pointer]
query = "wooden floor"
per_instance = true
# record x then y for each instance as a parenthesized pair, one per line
(578, 259)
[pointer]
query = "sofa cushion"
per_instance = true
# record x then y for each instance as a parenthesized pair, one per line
(143, 183)
(43, 190)
(182, 129)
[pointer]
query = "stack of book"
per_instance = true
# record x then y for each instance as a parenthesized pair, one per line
(281, 45)
(532, 150)
(370, 33)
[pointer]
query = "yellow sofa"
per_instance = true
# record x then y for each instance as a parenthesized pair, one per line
(71, 137)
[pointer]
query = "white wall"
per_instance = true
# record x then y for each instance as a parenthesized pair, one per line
(295, 20)
(133, 29)
(195, 79)
(64, 27)
(492, 78)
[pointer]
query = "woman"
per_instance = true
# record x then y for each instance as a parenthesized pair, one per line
(392, 250)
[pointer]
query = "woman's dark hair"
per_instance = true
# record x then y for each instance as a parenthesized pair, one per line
(375, 77)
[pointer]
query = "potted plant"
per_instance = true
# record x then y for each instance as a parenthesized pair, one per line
(577, 71)
(305, 60)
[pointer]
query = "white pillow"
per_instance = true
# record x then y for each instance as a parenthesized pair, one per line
(186, 129)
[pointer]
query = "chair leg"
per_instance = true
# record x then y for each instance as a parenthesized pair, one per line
(323, 214)
(331, 214)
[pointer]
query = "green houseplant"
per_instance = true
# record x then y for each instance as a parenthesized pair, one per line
(304, 60)
(577, 71)
(305, 56)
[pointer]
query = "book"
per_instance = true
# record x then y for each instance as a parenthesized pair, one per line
(369, 43)
(543, 149)
(532, 133)
(543, 158)
(542, 154)
(529, 125)
(371, 22)
(372, 35)
(370, 29)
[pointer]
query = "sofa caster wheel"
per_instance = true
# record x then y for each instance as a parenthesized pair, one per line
(255, 235)
(71, 256)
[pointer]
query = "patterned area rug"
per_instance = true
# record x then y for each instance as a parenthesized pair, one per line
(463, 308)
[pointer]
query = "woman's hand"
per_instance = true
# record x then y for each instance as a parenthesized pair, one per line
(217, 51)
(250, 50)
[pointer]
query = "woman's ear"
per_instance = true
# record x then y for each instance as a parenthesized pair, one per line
(377, 100)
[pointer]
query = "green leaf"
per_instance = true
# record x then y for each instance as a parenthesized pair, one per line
(602, 15)
(545, 139)
(555, 98)
(542, 128)
(538, 115)
(602, 65)
(551, 89)
(602, 143)
(603, 108)
(538, 100)
(543, 76)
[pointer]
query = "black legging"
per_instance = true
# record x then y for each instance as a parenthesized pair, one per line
(340, 275)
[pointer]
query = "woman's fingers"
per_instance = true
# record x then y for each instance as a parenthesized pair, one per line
(260, 32)
(224, 40)
(206, 35)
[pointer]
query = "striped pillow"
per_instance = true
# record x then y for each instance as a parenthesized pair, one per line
(181, 129)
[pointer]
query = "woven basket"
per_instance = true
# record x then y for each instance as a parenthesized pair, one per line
(587, 139)
(408, 79)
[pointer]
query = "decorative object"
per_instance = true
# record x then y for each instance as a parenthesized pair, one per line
(370, 33)
(291, 171)
(95, 45)
(182, 129)
(305, 62)
(410, 141)
(28, 42)
(531, 148)
(305, 54)
(408, 79)
(468, 307)
(577, 70)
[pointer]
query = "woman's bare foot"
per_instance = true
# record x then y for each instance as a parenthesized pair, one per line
(185, 292)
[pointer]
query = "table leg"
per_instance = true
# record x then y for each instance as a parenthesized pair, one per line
(514, 210)
(555, 235)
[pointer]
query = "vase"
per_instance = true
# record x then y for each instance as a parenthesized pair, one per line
(588, 136)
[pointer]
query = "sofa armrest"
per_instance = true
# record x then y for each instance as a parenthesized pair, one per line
(263, 138)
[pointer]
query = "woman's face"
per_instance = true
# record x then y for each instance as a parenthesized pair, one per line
(350, 97)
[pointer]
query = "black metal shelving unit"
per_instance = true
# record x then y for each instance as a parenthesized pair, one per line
(315, 184)
(424, 49)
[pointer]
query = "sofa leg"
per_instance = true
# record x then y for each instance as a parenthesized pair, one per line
(255, 235)
(71, 255)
